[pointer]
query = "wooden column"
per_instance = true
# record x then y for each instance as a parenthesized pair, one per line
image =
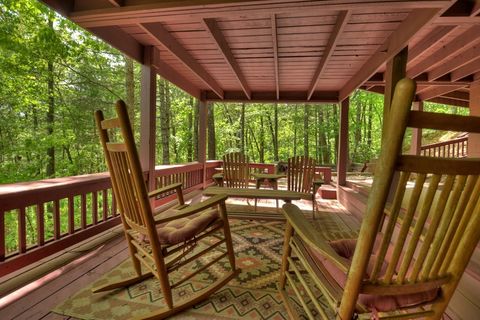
(396, 70)
(202, 137)
(415, 148)
(474, 138)
(342, 159)
(148, 93)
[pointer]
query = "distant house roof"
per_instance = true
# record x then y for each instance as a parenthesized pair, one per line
(292, 51)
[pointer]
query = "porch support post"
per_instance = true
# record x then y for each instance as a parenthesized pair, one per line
(343, 144)
(148, 92)
(396, 70)
(202, 137)
(416, 146)
(473, 150)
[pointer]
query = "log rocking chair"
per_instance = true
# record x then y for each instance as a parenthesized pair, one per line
(411, 251)
(164, 243)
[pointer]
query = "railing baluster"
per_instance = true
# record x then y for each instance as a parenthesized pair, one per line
(40, 224)
(71, 215)
(83, 210)
(114, 206)
(2, 235)
(22, 231)
(56, 219)
(105, 205)
(94, 207)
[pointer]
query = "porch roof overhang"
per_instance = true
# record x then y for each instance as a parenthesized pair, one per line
(295, 50)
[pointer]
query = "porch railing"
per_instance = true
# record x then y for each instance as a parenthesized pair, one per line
(455, 148)
(40, 218)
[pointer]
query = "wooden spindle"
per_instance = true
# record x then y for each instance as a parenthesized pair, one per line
(56, 219)
(94, 207)
(71, 215)
(83, 210)
(2, 235)
(22, 230)
(105, 205)
(40, 224)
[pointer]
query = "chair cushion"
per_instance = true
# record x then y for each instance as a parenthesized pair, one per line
(184, 229)
(346, 248)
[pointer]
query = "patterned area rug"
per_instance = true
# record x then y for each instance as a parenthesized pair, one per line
(252, 295)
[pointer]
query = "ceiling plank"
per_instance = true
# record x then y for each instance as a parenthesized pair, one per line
(433, 37)
(163, 11)
(275, 53)
(422, 83)
(475, 9)
(164, 38)
(466, 70)
(214, 31)
(342, 20)
(457, 95)
(436, 92)
(455, 63)
(167, 72)
(450, 102)
(396, 42)
(462, 42)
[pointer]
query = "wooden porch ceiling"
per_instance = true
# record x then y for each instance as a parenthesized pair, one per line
(292, 50)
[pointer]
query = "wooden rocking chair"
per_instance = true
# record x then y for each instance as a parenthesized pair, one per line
(406, 263)
(300, 174)
(166, 242)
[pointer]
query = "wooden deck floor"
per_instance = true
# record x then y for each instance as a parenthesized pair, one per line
(55, 287)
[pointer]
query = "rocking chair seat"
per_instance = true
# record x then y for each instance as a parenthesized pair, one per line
(345, 248)
(183, 229)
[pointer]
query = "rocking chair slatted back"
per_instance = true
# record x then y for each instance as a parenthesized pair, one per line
(300, 174)
(423, 240)
(420, 228)
(236, 170)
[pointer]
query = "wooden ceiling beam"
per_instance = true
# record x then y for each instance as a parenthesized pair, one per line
(450, 102)
(121, 40)
(441, 83)
(271, 96)
(475, 9)
(163, 11)
(457, 95)
(342, 20)
(273, 19)
(214, 31)
(117, 3)
(167, 72)
(164, 38)
(434, 92)
(461, 43)
(395, 43)
(456, 62)
(466, 70)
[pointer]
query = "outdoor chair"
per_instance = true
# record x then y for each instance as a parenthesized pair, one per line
(408, 259)
(300, 175)
(236, 170)
(166, 242)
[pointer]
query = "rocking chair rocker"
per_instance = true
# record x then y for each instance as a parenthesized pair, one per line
(166, 242)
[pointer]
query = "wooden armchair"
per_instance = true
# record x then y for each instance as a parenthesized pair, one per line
(167, 242)
(236, 170)
(406, 262)
(300, 175)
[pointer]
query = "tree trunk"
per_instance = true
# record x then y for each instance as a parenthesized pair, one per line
(273, 126)
(190, 142)
(261, 151)
(242, 129)
(50, 170)
(335, 131)
(164, 121)
(305, 130)
(212, 154)
(357, 136)
(130, 89)
(295, 132)
(196, 116)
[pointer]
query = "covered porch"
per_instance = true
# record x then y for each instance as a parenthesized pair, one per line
(257, 51)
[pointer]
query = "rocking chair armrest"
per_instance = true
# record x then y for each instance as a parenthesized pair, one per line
(312, 237)
(170, 187)
(185, 212)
